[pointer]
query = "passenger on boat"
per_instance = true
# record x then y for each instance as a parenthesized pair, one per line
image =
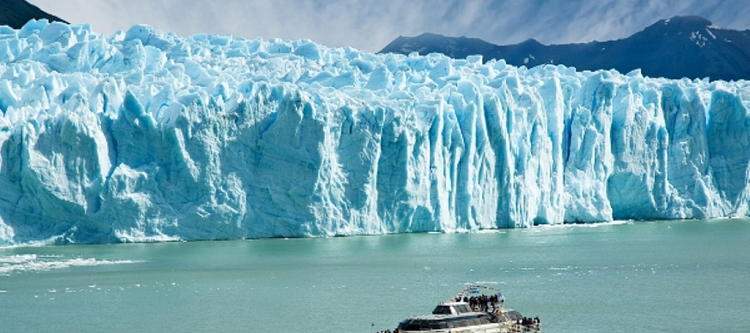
(482, 302)
(529, 321)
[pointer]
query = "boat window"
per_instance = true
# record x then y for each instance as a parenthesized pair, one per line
(442, 310)
(410, 325)
(458, 322)
(463, 308)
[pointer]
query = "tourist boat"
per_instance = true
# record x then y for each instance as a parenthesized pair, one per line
(478, 313)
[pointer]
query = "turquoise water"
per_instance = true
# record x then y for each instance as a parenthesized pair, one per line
(675, 276)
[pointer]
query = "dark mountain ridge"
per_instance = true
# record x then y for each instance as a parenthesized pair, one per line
(683, 46)
(16, 13)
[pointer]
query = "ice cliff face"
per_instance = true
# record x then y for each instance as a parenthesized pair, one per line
(149, 136)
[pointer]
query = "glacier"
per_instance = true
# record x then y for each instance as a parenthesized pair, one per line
(144, 135)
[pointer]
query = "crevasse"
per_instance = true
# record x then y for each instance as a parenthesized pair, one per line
(148, 136)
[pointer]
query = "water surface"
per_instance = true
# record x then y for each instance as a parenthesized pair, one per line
(671, 276)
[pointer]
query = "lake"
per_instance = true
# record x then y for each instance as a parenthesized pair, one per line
(665, 276)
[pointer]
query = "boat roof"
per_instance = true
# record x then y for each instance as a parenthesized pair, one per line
(457, 314)
(444, 316)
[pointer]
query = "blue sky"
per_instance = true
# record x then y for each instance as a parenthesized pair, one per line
(370, 24)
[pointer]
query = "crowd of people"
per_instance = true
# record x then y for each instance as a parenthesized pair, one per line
(527, 325)
(482, 302)
(529, 321)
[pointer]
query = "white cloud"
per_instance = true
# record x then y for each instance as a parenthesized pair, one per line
(370, 25)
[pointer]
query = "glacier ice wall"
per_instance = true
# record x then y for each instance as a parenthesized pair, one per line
(144, 136)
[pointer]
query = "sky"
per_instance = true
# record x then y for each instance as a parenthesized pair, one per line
(370, 25)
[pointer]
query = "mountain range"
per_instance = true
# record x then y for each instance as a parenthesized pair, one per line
(15, 13)
(682, 46)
